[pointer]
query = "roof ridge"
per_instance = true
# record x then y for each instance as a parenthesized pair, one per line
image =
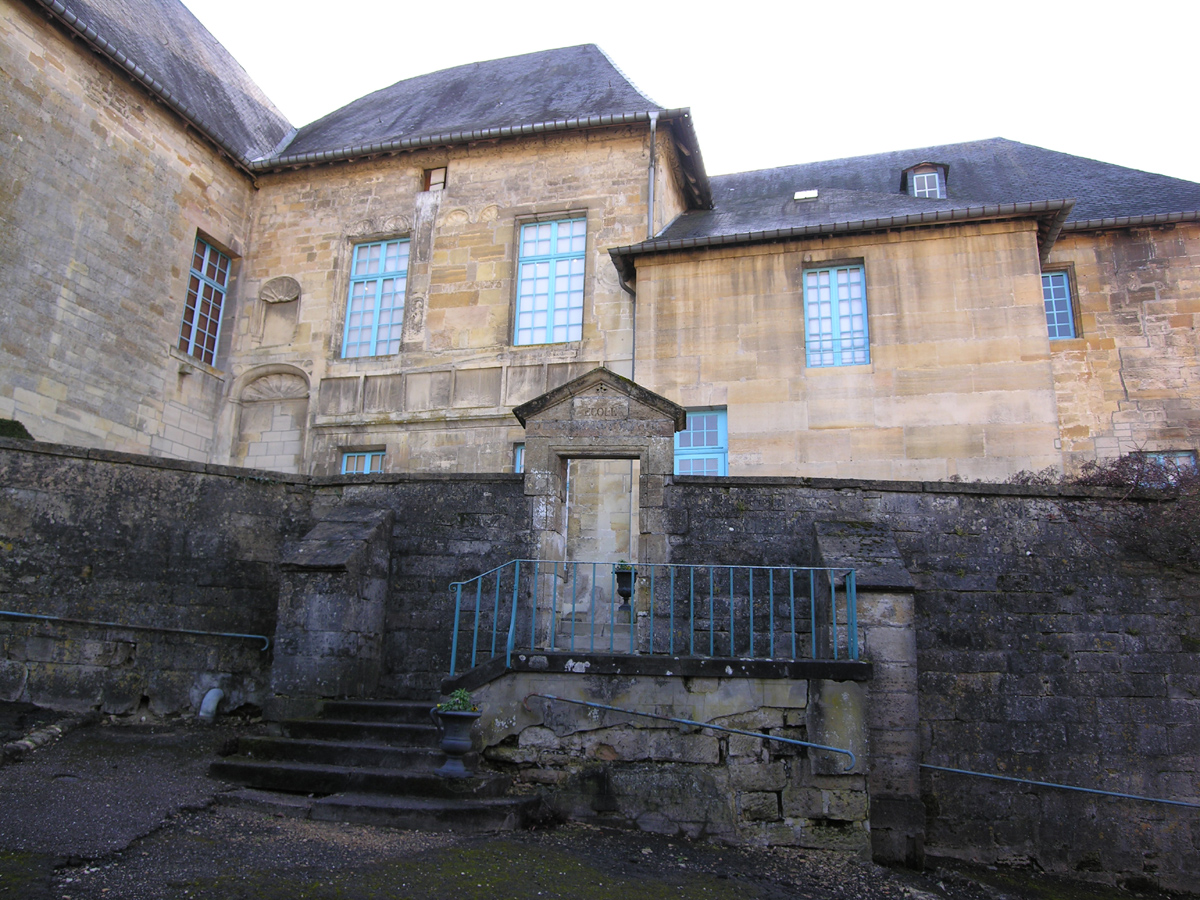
(623, 74)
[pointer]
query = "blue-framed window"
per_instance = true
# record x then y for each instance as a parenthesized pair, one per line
(519, 458)
(550, 282)
(703, 447)
(1060, 312)
(362, 463)
(207, 282)
(835, 307)
(375, 308)
(1166, 466)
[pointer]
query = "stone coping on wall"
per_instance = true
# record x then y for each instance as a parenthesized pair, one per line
(657, 666)
(863, 484)
(923, 487)
(244, 473)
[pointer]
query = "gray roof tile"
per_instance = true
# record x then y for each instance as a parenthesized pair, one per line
(569, 83)
(991, 171)
(191, 68)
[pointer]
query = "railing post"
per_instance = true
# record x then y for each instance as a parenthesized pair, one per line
(833, 610)
(752, 612)
(792, 605)
(512, 619)
(691, 610)
(533, 616)
(478, 606)
(652, 570)
(554, 610)
(454, 636)
(712, 618)
(852, 613)
(496, 611)
(771, 611)
(671, 633)
(731, 652)
(592, 614)
(812, 612)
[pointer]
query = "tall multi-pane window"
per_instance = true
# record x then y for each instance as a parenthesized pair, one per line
(375, 308)
(1060, 317)
(205, 301)
(364, 463)
(550, 282)
(835, 305)
(703, 447)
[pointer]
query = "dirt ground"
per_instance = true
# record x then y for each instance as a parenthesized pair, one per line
(113, 811)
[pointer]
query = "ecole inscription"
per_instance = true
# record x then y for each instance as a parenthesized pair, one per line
(602, 412)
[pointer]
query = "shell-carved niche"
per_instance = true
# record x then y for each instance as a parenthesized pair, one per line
(280, 290)
(281, 310)
(277, 386)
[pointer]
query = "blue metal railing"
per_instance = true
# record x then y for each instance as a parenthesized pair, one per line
(756, 612)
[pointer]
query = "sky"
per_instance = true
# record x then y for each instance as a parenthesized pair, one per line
(773, 84)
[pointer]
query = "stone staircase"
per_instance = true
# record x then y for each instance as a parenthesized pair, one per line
(369, 762)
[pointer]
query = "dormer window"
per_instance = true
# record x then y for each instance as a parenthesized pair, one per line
(926, 180)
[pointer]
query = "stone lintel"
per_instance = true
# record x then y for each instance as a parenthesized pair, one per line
(657, 666)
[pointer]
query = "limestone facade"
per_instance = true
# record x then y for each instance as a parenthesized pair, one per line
(107, 191)
(103, 196)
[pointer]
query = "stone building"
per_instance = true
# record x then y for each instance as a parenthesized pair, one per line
(187, 275)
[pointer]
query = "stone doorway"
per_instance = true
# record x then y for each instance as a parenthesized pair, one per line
(602, 428)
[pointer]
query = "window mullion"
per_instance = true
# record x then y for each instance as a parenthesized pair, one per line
(835, 315)
(553, 280)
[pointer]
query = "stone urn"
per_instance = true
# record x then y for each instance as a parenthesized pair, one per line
(625, 578)
(455, 726)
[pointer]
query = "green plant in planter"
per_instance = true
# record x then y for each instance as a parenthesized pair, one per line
(623, 566)
(458, 701)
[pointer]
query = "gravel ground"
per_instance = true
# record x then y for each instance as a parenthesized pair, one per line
(128, 812)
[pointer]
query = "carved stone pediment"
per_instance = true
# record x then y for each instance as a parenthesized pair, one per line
(379, 225)
(280, 290)
(279, 386)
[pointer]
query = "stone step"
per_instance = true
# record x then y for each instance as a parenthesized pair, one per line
(343, 753)
(427, 814)
(484, 814)
(395, 712)
(316, 778)
(392, 735)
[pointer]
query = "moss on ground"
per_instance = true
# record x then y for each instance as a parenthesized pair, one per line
(24, 875)
(498, 871)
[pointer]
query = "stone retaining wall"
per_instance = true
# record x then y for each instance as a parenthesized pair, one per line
(1044, 651)
(111, 537)
(675, 779)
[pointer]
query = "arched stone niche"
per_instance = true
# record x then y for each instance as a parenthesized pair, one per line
(600, 415)
(272, 419)
(280, 310)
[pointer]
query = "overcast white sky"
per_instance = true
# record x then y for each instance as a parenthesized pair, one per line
(772, 84)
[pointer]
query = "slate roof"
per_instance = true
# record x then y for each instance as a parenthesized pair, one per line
(162, 45)
(980, 173)
(569, 83)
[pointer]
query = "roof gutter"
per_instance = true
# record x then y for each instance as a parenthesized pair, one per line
(102, 46)
(1051, 210)
(1132, 221)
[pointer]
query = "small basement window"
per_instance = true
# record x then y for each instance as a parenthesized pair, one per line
(366, 462)
(435, 179)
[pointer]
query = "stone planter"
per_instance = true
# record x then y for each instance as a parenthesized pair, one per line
(456, 739)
